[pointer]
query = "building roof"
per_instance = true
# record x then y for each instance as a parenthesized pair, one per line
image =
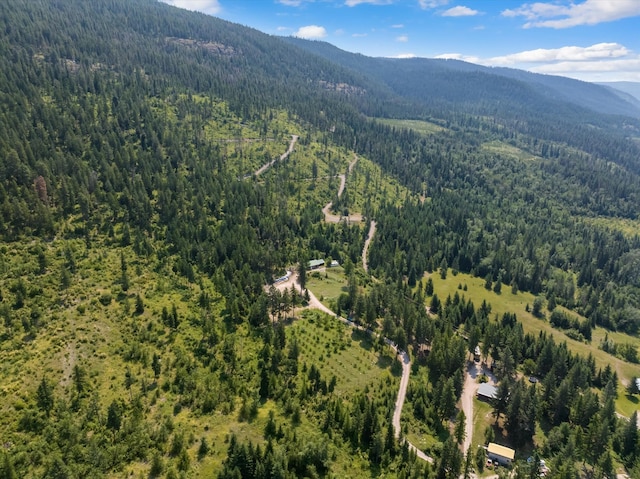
(488, 391)
(315, 263)
(502, 451)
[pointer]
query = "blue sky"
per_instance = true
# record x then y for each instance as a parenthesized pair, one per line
(592, 40)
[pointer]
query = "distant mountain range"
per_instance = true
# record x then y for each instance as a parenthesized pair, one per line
(484, 89)
(626, 87)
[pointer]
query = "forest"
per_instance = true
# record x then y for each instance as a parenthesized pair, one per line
(142, 334)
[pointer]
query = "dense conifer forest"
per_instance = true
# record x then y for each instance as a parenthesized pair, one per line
(143, 332)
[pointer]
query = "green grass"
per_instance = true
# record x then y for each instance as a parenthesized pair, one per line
(481, 419)
(509, 151)
(422, 127)
(366, 184)
(327, 285)
(78, 329)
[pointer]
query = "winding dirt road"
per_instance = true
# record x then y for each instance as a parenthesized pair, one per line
(314, 303)
(326, 211)
(266, 166)
(402, 394)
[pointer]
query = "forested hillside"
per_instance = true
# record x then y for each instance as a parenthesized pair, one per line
(160, 169)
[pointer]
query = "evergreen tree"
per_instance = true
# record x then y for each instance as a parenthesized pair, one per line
(44, 396)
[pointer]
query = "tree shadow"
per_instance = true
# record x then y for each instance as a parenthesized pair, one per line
(362, 338)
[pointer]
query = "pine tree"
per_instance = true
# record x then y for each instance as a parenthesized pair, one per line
(44, 396)
(632, 387)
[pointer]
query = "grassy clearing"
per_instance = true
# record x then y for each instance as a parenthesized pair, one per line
(481, 419)
(327, 285)
(506, 150)
(366, 187)
(422, 127)
(508, 302)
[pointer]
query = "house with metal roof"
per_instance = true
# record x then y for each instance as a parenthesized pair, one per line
(487, 392)
(502, 454)
(316, 263)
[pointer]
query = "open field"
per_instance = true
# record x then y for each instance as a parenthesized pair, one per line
(481, 419)
(327, 285)
(422, 127)
(504, 149)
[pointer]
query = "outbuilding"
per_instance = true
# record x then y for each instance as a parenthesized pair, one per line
(316, 263)
(502, 454)
(487, 392)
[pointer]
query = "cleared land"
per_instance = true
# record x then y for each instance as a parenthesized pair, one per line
(419, 126)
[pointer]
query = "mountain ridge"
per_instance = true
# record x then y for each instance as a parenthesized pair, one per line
(582, 94)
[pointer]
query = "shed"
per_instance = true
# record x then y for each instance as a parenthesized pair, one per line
(504, 455)
(487, 392)
(316, 263)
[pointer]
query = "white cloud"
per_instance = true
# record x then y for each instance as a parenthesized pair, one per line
(311, 31)
(291, 3)
(459, 56)
(629, 65)
(402, 38)
(359, 35)
(599, 62)
(398, 25)
(424, 4)
(353, 3)
(460, 11)
(211, 7)
(589, 12)
(283, 29)
(599, 51)
(405, 55)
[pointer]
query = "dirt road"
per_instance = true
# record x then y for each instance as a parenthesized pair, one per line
(402, 394)
(468, 393)
(266, 166)
(315, 303)
(365, 250)
(326, 211)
